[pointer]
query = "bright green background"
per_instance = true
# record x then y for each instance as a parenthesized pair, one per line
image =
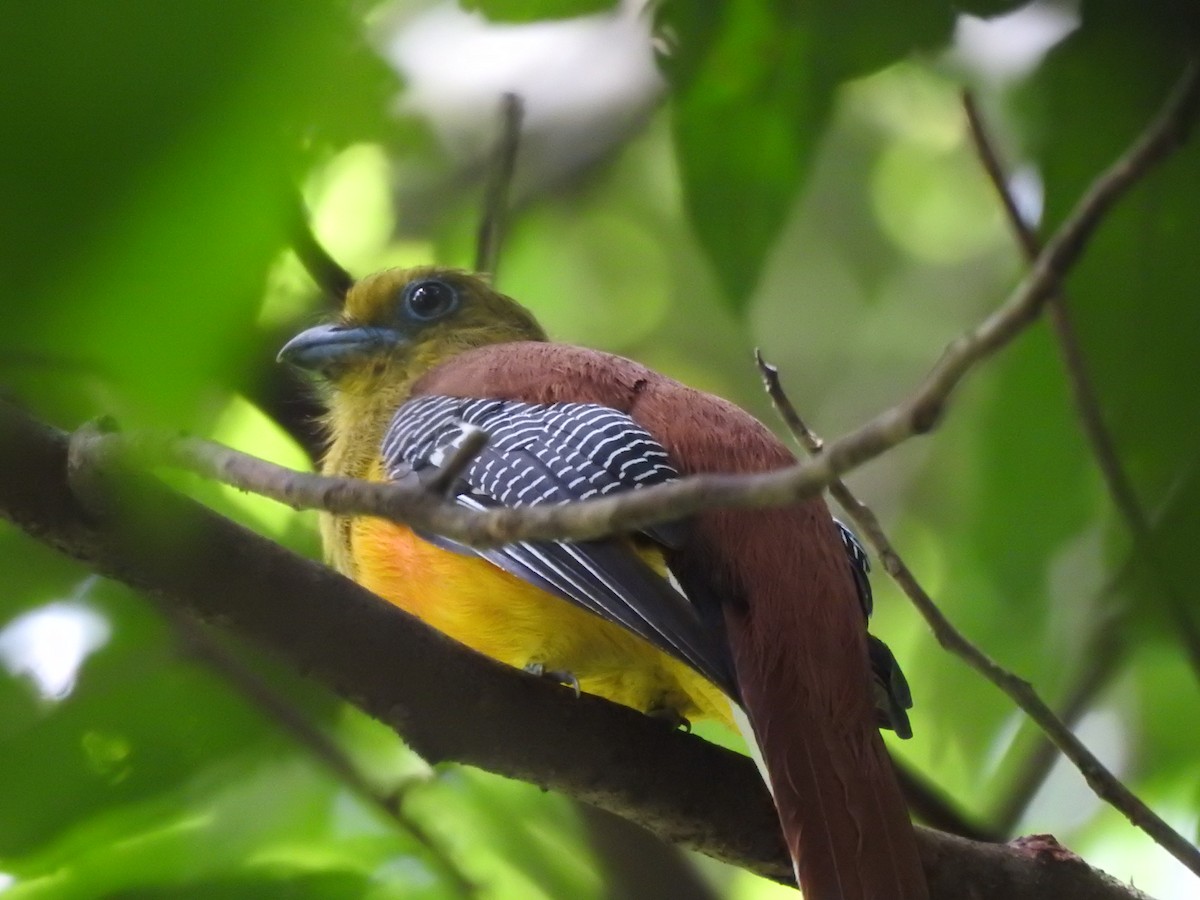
(806, 186)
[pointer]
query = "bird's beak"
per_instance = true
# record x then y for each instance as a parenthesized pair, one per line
(327, 347)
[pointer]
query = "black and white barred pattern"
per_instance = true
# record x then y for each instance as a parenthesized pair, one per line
(535, 453)
(893, 698)
(555, 453)
(860, 564)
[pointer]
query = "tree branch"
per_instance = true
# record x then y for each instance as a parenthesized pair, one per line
(1106, 785)
(492, 225)
(1102, 657)
(198, 644)
(448, 702)
(636, 510)
(325, 271)
(1087, 405)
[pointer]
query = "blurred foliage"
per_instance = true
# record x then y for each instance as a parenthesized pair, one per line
(533, 10)
(806, 186)
(752, 86)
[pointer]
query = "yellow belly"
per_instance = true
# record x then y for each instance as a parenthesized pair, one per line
(510, 620)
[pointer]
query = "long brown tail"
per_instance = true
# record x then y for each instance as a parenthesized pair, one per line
(800, 653)
(845, 825)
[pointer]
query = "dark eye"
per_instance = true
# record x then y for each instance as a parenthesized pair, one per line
(429, 299)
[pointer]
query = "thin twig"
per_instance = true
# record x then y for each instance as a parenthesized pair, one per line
(323, 269)
(493, 224)
(1169, 129)
(1104, 650)
(449, 703)
(1110, 645)
(198, 644)
(1083, 393)
(1103, 657)
(473, 440)
(1106, 785)
(935, 810)
(640, 509)
(1109, 642)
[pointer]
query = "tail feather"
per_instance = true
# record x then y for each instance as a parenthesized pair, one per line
(841, 811)
(800, 653)
(896, 833)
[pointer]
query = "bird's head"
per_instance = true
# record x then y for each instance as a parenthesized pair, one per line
(399, 323)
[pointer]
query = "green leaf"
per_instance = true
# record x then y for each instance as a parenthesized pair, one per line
(753, 83)
(150, 188)
(252, 885)
(519, 840)
(1134, 292)
(534, 10)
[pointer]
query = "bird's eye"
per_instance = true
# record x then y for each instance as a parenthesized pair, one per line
(427, 300)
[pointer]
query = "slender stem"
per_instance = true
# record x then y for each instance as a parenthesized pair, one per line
(1103, 659)
(635, 510)
(474, 439)
(493, 224)
(328, 274)
(1085, 398)
(1106, 785)
(197, 643)
(448, 702)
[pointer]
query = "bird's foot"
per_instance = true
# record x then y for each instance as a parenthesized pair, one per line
(558, 676)
(670, 717)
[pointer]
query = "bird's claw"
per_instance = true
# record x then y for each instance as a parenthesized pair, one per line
(558, 676)
(670, 717)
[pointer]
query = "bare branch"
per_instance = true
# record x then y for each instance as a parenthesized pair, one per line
(1106, 647)
(278, 392)
(325, 271)
(1102, 659)
(473, 440)
(989, 158)
(448, 702)
(924, 801)
(197, 643)
(1167, 132)
(492, 225)
(1087, 404)
(1106, 785)
(640, 509)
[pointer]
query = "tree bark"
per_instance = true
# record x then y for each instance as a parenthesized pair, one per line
(448, 703)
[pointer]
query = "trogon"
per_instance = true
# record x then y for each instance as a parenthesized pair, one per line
(754, 617)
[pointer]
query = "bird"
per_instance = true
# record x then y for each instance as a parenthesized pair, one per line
(756, 618)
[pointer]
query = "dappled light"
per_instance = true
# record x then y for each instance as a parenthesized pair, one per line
(49, 644)
(797, 178)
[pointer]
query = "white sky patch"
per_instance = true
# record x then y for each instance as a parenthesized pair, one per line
(1065, 802)
(48, 645)
(1007, 48)
(1000, 747)
(6, 881)
(584, 81)
(1028, 192)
